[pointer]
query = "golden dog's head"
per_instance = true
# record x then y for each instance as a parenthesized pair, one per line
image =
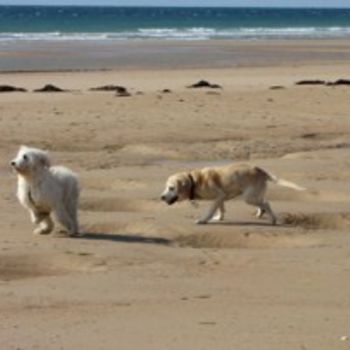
(30, 160)
(177, 188)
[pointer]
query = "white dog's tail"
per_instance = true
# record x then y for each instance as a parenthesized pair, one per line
(282, 182)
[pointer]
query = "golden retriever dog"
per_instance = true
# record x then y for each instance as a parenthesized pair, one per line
(44, 189)
(221, 184)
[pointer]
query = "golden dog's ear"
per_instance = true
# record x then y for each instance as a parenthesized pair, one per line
(185, 184)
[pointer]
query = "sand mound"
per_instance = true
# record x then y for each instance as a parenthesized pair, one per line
(15, 267)
(22, 266)
(291, 232)
(118, 204)
(247, 239)
(318, 221)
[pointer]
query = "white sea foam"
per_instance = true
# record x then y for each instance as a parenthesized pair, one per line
(187, 34)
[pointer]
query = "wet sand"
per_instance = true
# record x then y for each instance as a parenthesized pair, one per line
(143, 275)
(98, 55)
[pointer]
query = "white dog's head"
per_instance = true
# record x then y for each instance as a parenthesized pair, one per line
(29, 160)
(177, 188)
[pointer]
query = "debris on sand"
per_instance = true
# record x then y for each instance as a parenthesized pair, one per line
(117, 88)
(121, 91)
(311, 82)
(166, 91)
(10, 88)
(339, 82)
(204, 84)
(277, 87)
(50, 88)
(344, 82)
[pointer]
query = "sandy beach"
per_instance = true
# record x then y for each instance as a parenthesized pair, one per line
(143, 275)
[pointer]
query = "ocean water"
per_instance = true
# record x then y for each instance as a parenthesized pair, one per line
(33, 23)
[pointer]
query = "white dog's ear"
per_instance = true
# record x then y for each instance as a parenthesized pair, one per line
(23, 148)
(44, 159)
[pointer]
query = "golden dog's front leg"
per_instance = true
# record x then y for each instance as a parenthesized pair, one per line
(220, 213)
(211, 211)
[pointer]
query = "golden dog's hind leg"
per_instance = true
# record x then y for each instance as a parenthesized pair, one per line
(267, 208)
(260, 211)
(255, 196)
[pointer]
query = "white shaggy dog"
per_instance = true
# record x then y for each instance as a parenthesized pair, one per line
(44, 189)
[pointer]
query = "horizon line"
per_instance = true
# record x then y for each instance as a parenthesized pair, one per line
(181, 6)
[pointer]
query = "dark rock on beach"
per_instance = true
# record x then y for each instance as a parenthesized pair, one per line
(9, 88)
(311, 82)
(344, 82)
(339, 82)
(277, 87)
(121, 91)
(204, 84)
(50, 88)
(117, 88)
(215, 86)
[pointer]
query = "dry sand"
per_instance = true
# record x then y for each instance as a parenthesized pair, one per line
(143, 276)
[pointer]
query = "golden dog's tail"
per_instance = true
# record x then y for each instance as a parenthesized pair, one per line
(281, 182)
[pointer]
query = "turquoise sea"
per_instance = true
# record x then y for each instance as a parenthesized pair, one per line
(126, 23)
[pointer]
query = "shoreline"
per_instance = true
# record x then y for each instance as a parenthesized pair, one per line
(165, 55)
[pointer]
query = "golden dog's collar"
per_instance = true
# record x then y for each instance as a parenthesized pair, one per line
(192, 190)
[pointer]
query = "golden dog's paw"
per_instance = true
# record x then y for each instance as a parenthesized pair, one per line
(217, 219)
(201, 222)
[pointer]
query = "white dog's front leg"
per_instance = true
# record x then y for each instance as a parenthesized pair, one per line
(35, 218)
(45, 225)
(210, 213)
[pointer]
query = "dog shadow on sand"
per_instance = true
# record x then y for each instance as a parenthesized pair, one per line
(266, 224)
(242, 223)
(120, 238)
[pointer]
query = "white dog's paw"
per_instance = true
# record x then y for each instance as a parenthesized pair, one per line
(201, 222)
(40, 231)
